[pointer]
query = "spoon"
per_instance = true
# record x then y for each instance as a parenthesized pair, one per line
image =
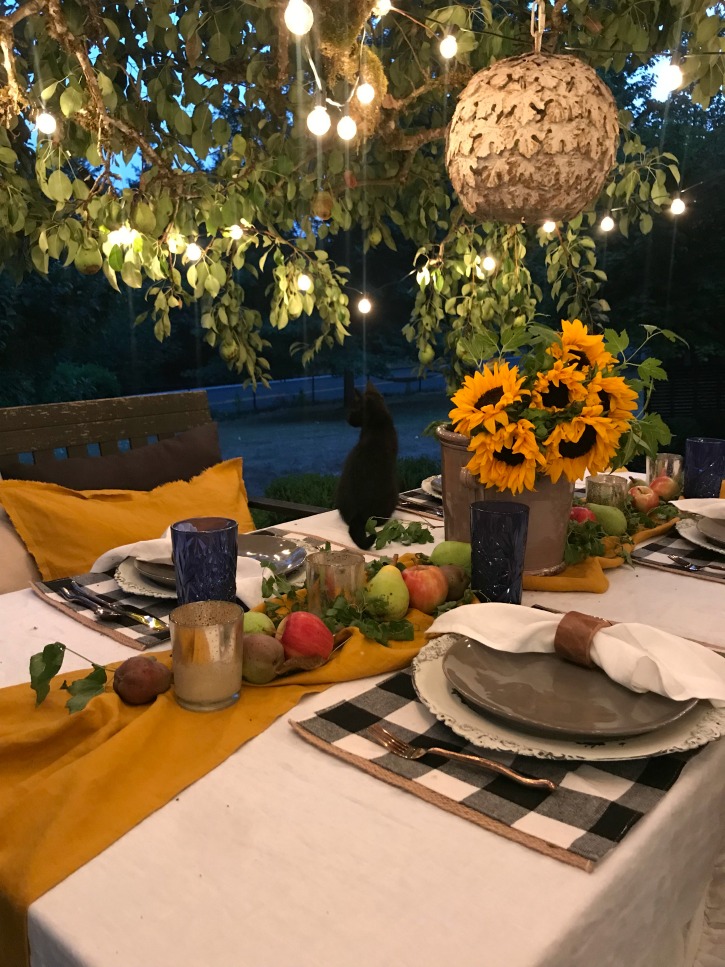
(688, 566)
(109, 613)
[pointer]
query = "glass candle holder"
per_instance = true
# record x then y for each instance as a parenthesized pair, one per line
(607, 490)
(206, 654)
(670, 465)
(498, 546)
(331, 574)
(204, 550)
(704, 466)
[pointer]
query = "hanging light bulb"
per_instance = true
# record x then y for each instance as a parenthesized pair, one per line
(677, 207)
(318, 121)
(46, 123)
(364, 305)
(607, 223)
(382, 7)
(489, 263)
(365, 93)
(549, 226)
(671, 77)
(124, 235)
(304, 282)
(236, 232)
(448, 47)
(298, 17)
(346, 128)
(193, 252)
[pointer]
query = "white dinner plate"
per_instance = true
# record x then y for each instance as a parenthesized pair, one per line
(713, 530)
(691, 532)
(697, 727)
(433, 486)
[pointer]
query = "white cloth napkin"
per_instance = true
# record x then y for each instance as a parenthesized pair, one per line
(249, 572)
(637, 656)
(712, 507)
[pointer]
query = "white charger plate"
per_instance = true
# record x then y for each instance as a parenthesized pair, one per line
(689, 529)
(432, 486)
(698, 727)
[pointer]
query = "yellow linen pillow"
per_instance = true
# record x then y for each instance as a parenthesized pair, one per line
(66, 530)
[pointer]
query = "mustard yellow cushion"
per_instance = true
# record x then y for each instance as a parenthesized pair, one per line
(66, 530)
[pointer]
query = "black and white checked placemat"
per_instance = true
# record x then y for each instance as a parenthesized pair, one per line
(655, 553)
(593, 808)
(124, 629)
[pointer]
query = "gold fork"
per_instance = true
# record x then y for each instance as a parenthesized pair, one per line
(395, 745)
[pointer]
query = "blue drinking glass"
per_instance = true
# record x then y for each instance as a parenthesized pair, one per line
(704, 466)
(204, 550)
(498, 545)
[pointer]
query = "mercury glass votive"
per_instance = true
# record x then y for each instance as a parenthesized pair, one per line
(331, 574)
(607, 490)
(206, 654)
(667, 465)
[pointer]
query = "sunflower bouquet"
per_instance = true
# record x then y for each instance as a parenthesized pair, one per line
(565, 407)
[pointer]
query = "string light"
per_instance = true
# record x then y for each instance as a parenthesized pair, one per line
(677, 207)
(364, 305)
(298, 17)
(346, 128)
(318, 121)
(236, 232)
(365, 93)
(304, 282)
(124, 235)
(382, 7)
(549, 226)
(607, 223)
(193, 252)
(489, 263)
(448, 47)
(46, 123)
(671, 77)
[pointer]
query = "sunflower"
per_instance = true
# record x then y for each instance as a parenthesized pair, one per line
(580, 348)
(612, 397)
(508, 458)
(484, 396)
(586, 442)
(558, 388)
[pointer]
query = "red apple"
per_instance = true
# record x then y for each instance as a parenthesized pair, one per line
(581, 514)
(644, 499)
(665, 487)
(427, 586)
(304, 635)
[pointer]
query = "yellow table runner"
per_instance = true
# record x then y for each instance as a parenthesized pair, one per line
(70, 785)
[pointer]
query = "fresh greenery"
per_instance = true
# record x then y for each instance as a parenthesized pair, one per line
(45, 665)
(583, 539)
(398, 532)
(210, 99)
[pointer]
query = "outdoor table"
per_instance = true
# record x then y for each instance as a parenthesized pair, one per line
(286, 856)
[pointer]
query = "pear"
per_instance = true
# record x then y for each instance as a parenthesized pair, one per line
(386, 594)
(258, 622)
(138, 680)
(457, 580)
(263, 656)
(610, 519)
(452, 552)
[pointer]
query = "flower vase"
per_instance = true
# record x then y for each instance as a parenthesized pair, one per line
(549, 506)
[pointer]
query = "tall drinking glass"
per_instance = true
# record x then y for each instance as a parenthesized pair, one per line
(205, 558)
(498, 545)
(704, 466)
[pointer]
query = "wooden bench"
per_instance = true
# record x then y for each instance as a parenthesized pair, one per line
(55, 431)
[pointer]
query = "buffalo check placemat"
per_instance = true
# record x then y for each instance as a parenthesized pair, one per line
(125, 630)
(592, 810)
(655, 553)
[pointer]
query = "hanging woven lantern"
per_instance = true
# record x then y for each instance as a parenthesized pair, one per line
(532, 137)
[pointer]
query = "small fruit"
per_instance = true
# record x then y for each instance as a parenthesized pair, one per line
(386, 594)
(263, 656)
(580, 514)
(457, 580)
(304, 635)
(644, 499)
(322, 205)
(611, 519)
(666, 488)
(257, 621)
(427, 587)
(452, 552)
(138, 680)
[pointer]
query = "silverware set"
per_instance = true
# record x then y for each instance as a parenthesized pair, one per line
(686, 565)
(106, 609)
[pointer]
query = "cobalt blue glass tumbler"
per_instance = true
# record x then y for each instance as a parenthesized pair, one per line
(704, 466)
(498, 545)
(205, 559)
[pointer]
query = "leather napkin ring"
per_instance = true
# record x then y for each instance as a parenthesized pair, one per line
(574, 635)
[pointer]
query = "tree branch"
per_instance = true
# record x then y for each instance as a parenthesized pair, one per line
(452, 79)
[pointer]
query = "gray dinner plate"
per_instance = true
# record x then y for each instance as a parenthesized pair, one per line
(714, 530)
(277, 553)
(544, 695)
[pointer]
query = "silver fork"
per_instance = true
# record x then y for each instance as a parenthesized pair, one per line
(111, 613)
(689, 566)
(405, 750)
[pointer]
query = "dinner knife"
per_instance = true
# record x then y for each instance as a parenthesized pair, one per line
(106, 601)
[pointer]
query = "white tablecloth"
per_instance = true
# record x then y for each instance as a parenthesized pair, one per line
(285, 856)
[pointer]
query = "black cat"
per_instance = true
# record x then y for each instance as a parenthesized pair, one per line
(368, 484)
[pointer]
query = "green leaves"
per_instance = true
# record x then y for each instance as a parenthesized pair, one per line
(82, 690)
(396, 531)
(58, 187)
(43, 667)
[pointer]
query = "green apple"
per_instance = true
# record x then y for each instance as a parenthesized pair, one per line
(258, 622)
(386, 594)
(452, 552)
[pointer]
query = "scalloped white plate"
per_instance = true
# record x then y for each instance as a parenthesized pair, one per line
(432, 486)
(698, 727)
(689, 529)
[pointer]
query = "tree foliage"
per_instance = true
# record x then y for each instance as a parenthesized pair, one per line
(210, 97)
